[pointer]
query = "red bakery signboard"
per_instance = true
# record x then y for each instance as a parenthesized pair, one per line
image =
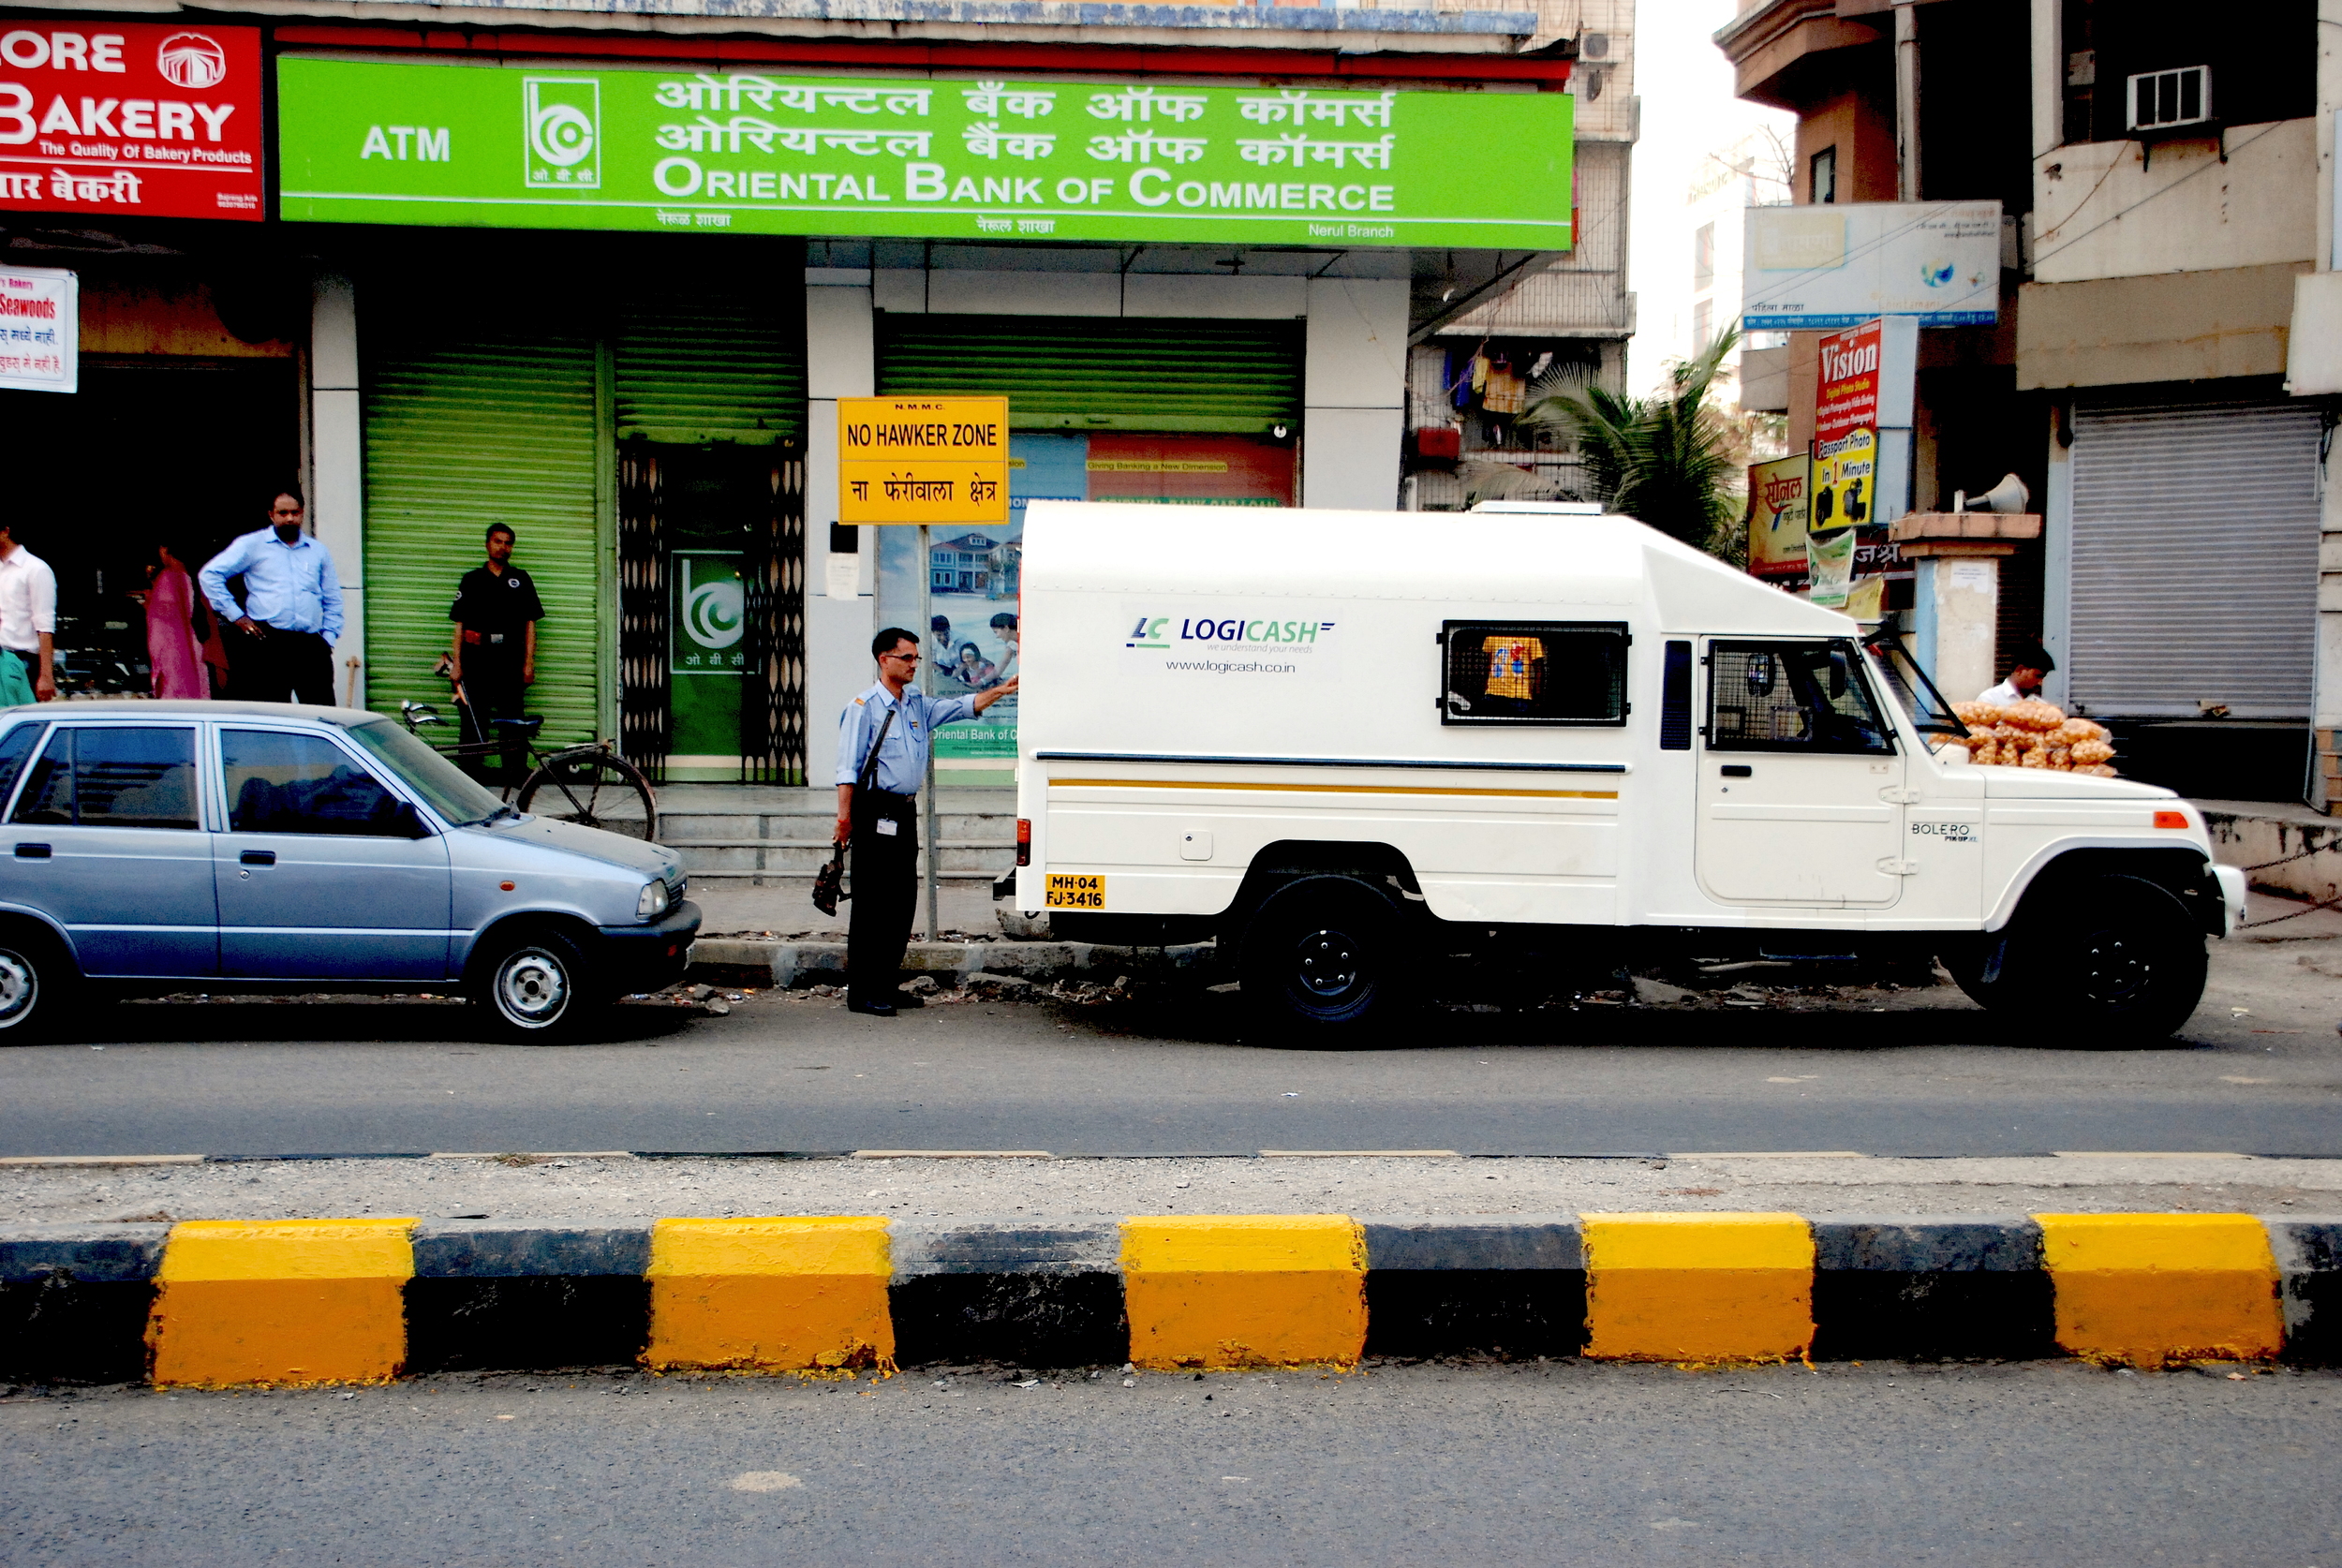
(108, 117)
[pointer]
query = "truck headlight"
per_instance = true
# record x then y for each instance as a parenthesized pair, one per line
(653, 900)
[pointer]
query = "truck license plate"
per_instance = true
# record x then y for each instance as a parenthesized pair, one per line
(1076, 893)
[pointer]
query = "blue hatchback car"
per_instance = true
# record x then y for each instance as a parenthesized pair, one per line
(232, 846)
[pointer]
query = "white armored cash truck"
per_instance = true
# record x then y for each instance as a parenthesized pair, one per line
(1337, 741)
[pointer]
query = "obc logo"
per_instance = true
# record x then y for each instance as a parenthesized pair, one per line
(563, 116)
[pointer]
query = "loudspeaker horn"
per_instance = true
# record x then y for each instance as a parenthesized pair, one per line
(2009, 495)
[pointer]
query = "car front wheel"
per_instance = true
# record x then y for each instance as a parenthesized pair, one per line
(533, 987)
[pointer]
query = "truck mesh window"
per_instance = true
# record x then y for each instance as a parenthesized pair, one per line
(1792, 697)
(1534, 672)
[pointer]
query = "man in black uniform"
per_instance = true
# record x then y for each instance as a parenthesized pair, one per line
(495, 658)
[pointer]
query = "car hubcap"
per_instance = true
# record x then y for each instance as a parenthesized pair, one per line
(1329, 964)
(17, 985)
(531, 988)
(2114, 971)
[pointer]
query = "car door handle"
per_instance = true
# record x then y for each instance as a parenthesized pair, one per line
(259, 857)
(32, 851)
(1737, 770)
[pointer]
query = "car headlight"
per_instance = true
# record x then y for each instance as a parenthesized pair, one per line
(653, 900)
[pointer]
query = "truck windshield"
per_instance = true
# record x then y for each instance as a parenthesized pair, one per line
(442, 785)
(1900, 674)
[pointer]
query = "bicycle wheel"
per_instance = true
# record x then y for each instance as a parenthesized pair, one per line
(593, 788)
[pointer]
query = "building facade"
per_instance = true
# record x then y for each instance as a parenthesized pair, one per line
(605, 279)
(2166, 192)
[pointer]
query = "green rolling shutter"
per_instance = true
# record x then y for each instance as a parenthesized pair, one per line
(711, 367)
(500, 427)
(1238, 378)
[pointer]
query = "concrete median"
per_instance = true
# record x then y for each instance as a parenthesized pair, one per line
(321, 1301)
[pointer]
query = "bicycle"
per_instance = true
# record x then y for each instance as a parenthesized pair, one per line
(599, 788)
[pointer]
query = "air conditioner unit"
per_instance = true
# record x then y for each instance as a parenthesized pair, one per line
(2162, 100)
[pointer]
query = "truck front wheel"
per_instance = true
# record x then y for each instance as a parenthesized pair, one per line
(2111, 961)
(1322, 962)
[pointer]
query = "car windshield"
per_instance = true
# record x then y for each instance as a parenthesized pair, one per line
(442, 785)
(1900, 674)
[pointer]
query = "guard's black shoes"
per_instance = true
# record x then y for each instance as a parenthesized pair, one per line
(876, 1010)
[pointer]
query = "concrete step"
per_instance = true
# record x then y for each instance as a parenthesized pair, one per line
(730, 831)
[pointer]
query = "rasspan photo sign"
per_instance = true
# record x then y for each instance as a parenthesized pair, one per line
(365, 142)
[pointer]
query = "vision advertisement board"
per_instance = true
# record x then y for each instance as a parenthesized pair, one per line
(1823, 267)
(372, 141)
(114, 117)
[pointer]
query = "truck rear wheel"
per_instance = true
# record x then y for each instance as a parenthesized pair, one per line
(1322, 963)
(2110, 962)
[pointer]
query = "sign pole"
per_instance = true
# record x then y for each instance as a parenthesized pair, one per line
(932, 860)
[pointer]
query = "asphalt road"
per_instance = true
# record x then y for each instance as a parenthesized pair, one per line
(1525, 1464)
(2258, 1072)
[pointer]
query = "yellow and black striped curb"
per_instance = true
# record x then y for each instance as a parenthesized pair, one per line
(303, 1301)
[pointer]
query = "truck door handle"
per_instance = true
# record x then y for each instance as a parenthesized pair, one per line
(259, 857)
(1737, 770)
(32, 851)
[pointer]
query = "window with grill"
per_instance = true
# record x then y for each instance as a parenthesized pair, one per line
(1534, 672)
(1809, 697)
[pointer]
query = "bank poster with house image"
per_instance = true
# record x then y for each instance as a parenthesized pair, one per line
(975, 574)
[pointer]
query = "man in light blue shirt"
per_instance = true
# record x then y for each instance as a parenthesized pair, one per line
(886, 731)
(281, 639)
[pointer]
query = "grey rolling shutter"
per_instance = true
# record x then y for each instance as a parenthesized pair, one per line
(2195, 560)
(499, 428)
(1232, 377)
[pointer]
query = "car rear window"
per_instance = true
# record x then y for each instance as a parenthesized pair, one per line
(113, 775)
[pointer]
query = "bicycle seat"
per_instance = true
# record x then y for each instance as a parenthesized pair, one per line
(531, 725)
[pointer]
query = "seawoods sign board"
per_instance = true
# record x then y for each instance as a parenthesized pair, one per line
(368, 141)
(1825, 267)
(110, 117)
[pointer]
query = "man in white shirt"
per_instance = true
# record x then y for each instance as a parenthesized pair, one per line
(28, 616)
(2026, 675)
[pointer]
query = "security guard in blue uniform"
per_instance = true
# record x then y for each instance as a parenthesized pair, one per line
(880, 821)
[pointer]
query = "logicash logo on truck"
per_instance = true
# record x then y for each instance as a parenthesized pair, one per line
(1212, 645)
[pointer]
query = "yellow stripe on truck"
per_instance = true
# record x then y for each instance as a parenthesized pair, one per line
(774, 1294)
(1698, 1287)
(281, 1301)
(1244, 1290)
(2149, 1289)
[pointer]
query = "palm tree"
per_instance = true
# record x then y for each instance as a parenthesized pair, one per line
(1666, 459)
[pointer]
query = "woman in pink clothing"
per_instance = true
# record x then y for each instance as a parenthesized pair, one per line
(171, 650)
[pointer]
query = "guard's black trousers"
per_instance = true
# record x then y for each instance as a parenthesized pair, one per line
(491, 679)
(885, 871)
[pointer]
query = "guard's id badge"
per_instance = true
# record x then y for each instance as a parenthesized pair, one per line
(887, 825)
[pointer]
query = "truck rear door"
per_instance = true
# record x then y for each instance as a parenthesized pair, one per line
(1801, 783)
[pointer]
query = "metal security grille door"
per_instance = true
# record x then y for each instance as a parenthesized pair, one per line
(643, 710)
(1234, 377)
(772, 709)
(499, 428)
(2195, 560)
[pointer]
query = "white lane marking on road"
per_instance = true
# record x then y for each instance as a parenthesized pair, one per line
(764, 1480)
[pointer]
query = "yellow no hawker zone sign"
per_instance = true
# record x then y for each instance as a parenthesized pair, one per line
(936, 460)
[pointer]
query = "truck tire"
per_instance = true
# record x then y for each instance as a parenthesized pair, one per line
(2107, 963)
(1322, 963)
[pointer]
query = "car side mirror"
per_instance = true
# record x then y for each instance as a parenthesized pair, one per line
(407, 822)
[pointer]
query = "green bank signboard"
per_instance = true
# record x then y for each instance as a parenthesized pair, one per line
(363, 141)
